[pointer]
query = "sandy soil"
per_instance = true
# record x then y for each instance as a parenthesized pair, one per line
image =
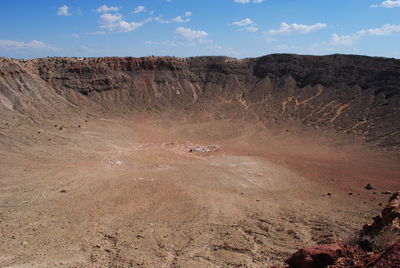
(129, 193)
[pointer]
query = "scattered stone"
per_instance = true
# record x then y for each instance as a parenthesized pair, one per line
(380, 204)
(350, 193)
(55, 125)
(333, 179)
(63, 191)
(374, 193)
(386, 192)
(60, 128)
(24, 243)
(328, 194)
(79, 125)
(97, 246)
(369, 186)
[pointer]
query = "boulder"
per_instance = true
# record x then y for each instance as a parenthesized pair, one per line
(369, 186)
(316, 256)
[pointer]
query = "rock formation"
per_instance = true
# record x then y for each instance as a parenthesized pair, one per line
(356, 95)
(378, 245)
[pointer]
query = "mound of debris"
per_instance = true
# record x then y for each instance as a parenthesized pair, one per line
(204, 149)
(377, 245)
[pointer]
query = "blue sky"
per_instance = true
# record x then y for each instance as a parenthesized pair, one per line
(237, 28)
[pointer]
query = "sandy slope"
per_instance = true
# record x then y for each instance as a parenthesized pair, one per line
(128, 193)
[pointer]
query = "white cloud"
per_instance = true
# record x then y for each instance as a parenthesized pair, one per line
(343, 40)
(63, 11)
(180, 19)
(110, 18)
(75, 35)
(251, 29)
(249, 1)
(123, 26)
(115, 23)
(104, 9)
(348, 40)
(243, 22)
(184, 18)
(163, 43)
(34, 44)
(388, 4)
(139, 9)
(190, 34)
(251, 26)
(295, 28)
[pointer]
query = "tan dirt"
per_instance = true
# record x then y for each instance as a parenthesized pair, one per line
(129, 193)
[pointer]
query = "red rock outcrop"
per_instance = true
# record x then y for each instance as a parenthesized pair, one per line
(384, 230)
(316, 256)
(389, 218)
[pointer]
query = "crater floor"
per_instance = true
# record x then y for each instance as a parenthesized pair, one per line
(130, 193)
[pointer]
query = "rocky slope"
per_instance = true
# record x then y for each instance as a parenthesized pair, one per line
(376, 245)
(351, 94)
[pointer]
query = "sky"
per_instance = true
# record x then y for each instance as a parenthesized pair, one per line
(184, 28)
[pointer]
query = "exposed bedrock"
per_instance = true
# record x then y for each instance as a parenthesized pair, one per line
(350, 94)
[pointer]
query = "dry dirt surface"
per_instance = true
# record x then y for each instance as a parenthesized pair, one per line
(191, 162)
(131, 193)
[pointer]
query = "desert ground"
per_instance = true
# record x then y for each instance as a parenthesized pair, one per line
(129, 192)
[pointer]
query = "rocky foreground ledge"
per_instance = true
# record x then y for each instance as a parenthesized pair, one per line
(376, 245)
